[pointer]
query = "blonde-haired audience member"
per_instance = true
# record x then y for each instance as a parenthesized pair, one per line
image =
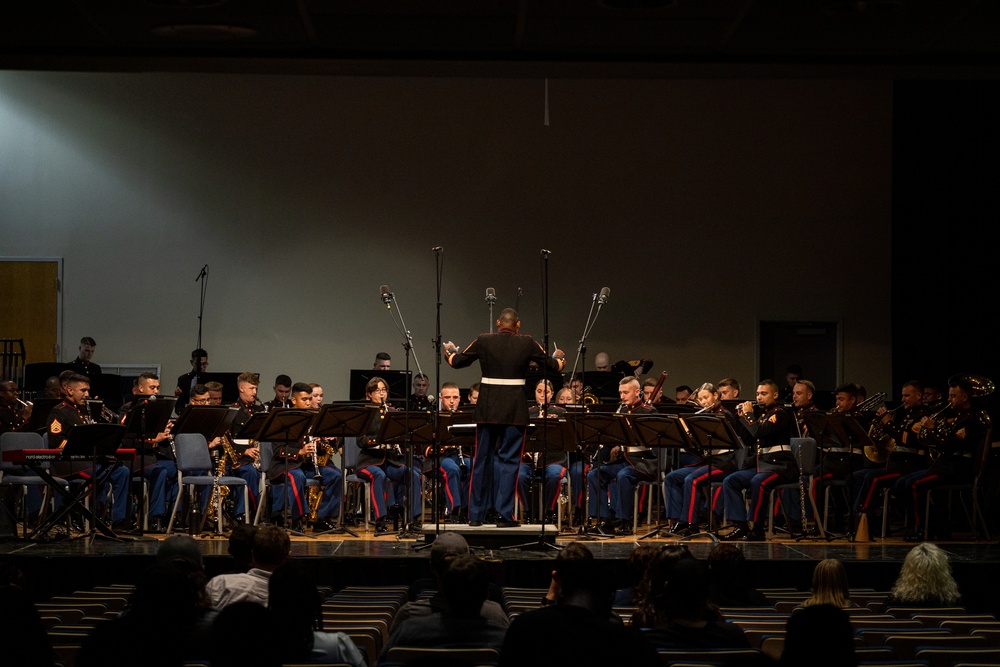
(829, 585)
(925, 579)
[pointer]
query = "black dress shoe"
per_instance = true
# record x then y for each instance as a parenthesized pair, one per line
(736, 535)
(503, 523)
(475, 524)
(323, 525)
(914, 536)
(625, 529)
(382, 525)
(754, 535)
(681, 529)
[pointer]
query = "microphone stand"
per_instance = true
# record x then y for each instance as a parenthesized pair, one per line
(203, 278)
(390, 298)
(438, 273)
(582, 354)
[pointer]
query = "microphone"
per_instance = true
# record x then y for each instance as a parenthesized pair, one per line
(605, 293)
(437, 248)
(546, 253)
(386, 296)
(202, 273)
(491, 295)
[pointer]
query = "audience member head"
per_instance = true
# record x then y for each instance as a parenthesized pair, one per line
(925, 577)
(819, 636)
(575, 580)
(234, 640)
(297, 609)
(447, 546)
(172, 592)
(241, 545)
(639, 561)
(679, 590)
(663, 561)
(726, 563)
(179, 549)
(465, 585)
(269, 548)
(829, 585)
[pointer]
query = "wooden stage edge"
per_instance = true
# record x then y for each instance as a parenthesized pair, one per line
(516, 557)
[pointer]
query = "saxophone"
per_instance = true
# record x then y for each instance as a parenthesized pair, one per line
(219, 492)
(315, 493)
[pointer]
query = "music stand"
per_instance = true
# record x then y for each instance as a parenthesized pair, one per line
(211, 421)
(285, 425)
(40, 414)
(657, 431)
(597, 429)
(547, 435)
(94, 441)
(837, 430)
(147, 416)
(342, 421)
(711, 432)
(447, 438)
(404, 429)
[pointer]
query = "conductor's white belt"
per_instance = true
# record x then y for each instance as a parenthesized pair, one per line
(512, 382)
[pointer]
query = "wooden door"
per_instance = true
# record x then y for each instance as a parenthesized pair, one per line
(29, 306)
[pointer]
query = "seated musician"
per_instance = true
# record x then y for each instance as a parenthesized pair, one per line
(956, 433)
(293, 463)
(317, 396)
(683, 487)
(843, 459)
(14, 416)
(62, 419)
(247, 467)
(896, 428)
(802, 405)
(615, 474)
(380, 464)
(453, 466)
(159, 466)
(772, 464)
(553, 463)
(419, 399)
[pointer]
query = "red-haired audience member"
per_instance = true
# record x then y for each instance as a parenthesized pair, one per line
(925, 579)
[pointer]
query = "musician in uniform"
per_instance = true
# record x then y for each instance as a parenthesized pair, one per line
(317, 396)
(419, 399)
(899, 428)
(378, 464)
(186, 382)
(63, 418)
(14, 416)
(771, 464)
(552, 464)
(956, 433)
(453, 467)
(501, 412)
(316, 450)
(83, 364)
(842, 459)
(803, 392)
(682, 487)
(161, 473)
(246, 468)
(215, 390)
(729, 389)
(282, 392)
(383, 362)
(612, 481)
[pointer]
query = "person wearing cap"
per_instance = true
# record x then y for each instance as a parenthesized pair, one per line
(446, 547)
(501, 412)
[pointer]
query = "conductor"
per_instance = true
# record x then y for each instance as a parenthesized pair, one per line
(501, 412)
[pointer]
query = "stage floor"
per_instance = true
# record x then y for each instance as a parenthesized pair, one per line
(61, 567)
